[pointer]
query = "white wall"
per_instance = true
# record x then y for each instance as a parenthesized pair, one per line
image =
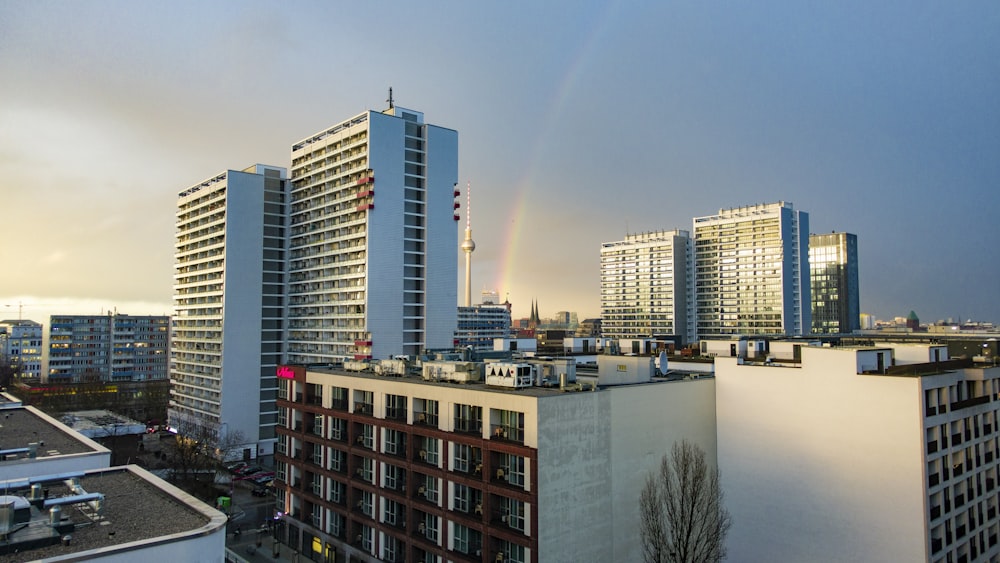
(595, 450)
(819, 463)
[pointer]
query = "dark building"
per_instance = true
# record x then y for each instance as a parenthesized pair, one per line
(833, 272)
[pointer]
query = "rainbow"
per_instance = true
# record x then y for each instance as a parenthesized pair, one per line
(505, 276)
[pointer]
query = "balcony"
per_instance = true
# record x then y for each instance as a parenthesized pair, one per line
(958, 405)
(507, 433)
(395, 413)
(468, 426)
(338, 404)
(364, 408)
(424, 419)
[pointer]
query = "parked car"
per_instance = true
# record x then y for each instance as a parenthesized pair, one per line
(246, 471)
(236, 466)
(261, 491)
(264, 480)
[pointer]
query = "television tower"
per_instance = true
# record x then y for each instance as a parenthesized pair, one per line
(468, 246)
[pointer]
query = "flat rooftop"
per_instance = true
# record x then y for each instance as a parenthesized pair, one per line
(137, 507)
(21, 426)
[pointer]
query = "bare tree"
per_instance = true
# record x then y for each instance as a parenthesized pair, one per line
(682, 516)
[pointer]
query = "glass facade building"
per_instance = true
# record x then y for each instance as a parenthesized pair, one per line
(833, 265)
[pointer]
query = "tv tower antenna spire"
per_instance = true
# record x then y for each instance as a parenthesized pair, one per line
(468, 246)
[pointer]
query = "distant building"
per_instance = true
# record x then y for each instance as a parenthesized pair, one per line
(21, 347)
(874, 453)
(751, 271)
(229, 306)
(836, 298)
(109, 348)
(518, 463)
(589, 328)
(479, 325)
(644, 286)
(372, 245)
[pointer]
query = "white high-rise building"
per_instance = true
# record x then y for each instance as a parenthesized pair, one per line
(751, 271)
(373, 239)
(644, 286)
(228, 307)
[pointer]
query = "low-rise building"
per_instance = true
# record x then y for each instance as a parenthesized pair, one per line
(512, 462)
(867, 453)
(62, 502)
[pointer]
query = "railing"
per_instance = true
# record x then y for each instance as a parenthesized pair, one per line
(395, 413)
(364, 408)
(507, 433)
(959, 405)
(469, 426)
(424, 419)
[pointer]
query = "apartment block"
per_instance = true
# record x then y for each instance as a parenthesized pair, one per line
(836, 298)
(871, 453)
(229, 305)
(21, 347)
(644, 286)
(475, 462)
(751, 271)
(373, 239)
(480, 325)
(109, 348)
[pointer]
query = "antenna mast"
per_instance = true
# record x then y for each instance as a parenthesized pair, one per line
(390, 98)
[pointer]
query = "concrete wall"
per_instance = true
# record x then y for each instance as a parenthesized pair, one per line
(595, 450)
(820, 463)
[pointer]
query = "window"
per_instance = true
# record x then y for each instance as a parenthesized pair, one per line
(429, 451)
(366, 470)
(393, 513)
(366, 436)
(395, 407)
(425, 412)
(366, 503)
(460, 541)
(394, 478)
(468, 418)
(430, 489)
(395, 442)
(467, 459)
(364, 402)
(337, 460)
(460, 501)
(512, 513)
(337, 491)
(513, 469)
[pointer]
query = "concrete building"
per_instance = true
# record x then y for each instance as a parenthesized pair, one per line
(62, 502)
(228, 306)
(373, 239)
(644, 286)
(836, 298)
(478, 462)
(751, 271)
(875, 453)
(111, 347)
(21, 347)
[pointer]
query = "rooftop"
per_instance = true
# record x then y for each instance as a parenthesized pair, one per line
(20, 426)
(136, 507)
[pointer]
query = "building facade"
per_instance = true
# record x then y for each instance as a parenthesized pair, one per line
(836, 298)
(373, 239)
(644, 286)
(751, 271)
(875, 453)
(228, 306)
(108, 348)
(416, 468)
(21, 347)
(479, 325)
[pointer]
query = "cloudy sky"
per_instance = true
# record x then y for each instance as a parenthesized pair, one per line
(578, 122)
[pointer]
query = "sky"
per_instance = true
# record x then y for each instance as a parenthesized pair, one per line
(579, 122)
